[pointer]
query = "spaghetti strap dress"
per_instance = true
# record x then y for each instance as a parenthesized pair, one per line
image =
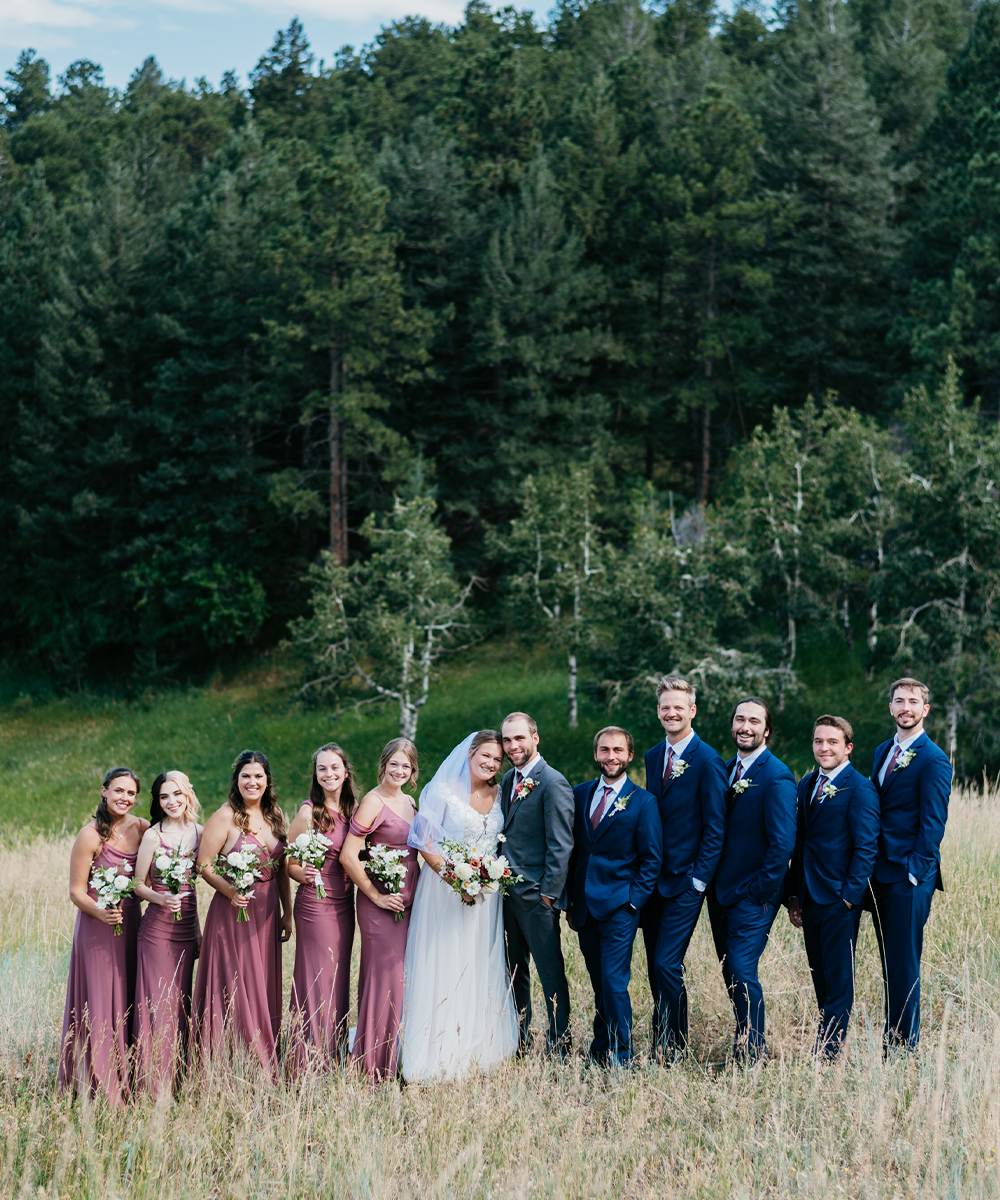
(324, 940)
(167, 951)
(383, 951)
(237, 990)
(100, 991)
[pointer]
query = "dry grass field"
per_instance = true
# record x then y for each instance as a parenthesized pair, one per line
(920, 1126)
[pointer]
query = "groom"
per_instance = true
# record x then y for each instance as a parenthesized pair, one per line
(538, 811)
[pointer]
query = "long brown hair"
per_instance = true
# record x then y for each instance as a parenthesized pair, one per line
(102, 818)
(317, 797)
(269, 808)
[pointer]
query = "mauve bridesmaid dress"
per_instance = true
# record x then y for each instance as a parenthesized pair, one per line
(237, 991)
(383, 949)
(163, 986)
(324, 939)
(97, 1025)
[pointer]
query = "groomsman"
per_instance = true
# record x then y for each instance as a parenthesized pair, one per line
(913, 777)
(688, 779)
(834, 855)
(748, 886)
(618, 842)
(537, 806)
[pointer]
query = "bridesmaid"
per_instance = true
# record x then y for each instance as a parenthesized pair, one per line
(324, 929)
(97, 1025)
(237, 994)
(167, 946)
(383, 819)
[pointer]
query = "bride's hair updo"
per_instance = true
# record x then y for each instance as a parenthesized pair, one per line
(486, 737)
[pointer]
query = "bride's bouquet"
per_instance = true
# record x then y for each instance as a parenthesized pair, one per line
(242, 869)
(176, 867)
(473, 874)
(310, 849)
(112, 885)
(384, 864)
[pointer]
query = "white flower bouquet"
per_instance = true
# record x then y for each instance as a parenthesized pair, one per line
(384, 864)
(176, 867)
(242, 869)
(473, 874)
(112, 885)
(310, 849)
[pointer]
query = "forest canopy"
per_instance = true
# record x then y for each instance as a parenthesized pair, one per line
(713, 295)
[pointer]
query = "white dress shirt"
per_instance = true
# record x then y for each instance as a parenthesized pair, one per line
(830, 777)
(616, 788)
(747, 762)
(678, 749)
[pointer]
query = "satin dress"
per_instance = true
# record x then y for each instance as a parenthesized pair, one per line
(324, 939)
(167, 951)
(383, 952)
(237, 990)
(100, 991)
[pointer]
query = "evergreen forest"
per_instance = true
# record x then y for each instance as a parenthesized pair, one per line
(665, 336)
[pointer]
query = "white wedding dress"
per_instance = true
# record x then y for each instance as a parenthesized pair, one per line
(458, 1013)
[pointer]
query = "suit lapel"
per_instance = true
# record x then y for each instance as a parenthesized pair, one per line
(512, 805)
(688, 755)
(627, 789)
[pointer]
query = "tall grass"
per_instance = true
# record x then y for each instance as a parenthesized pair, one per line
(920, 1126)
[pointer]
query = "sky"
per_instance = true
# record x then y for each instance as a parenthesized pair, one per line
(192, 38)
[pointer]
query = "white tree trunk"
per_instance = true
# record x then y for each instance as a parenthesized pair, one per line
(571, 691)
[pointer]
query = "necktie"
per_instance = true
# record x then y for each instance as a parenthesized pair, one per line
(891, 763)
(739, 770)
(669, 767)
(600, 810)
(817, 794)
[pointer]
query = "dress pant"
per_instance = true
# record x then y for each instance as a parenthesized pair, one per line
(740, 933)
(667, 934)
(607, 950)
(531, 928)
(831, 936)
(899, 913)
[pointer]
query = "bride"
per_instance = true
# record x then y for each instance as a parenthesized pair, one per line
(458, 1013)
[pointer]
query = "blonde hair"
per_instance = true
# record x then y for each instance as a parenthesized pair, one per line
(182, 781)
(407, 747)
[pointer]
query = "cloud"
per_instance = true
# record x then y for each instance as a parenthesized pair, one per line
(46, 14)
(365, 12)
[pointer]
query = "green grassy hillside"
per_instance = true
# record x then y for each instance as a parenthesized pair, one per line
(55, 750)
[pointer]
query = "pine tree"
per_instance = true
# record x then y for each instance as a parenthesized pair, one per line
(830, 163)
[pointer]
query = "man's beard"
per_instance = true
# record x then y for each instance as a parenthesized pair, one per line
(751, 748)
(617, 774)
(910, 720)
(519, 757)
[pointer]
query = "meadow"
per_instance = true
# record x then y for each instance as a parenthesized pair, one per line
(924, 1125)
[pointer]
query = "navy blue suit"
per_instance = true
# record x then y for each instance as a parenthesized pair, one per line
(834, 855)
(749, 885)
(914, 808)
(693, 810)
(613, 872)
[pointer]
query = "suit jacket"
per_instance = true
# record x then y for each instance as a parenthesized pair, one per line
(835, 848)
(618, 862)
(539, 832)
(760, 834)
(693, 810)
(914, 808)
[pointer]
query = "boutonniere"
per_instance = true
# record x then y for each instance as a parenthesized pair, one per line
(830, 790)
(678, 768)
(741, 785)
(621, 803)
(904, 760)
(524, 788)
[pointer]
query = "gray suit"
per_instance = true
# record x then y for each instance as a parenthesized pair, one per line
(539, 832)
